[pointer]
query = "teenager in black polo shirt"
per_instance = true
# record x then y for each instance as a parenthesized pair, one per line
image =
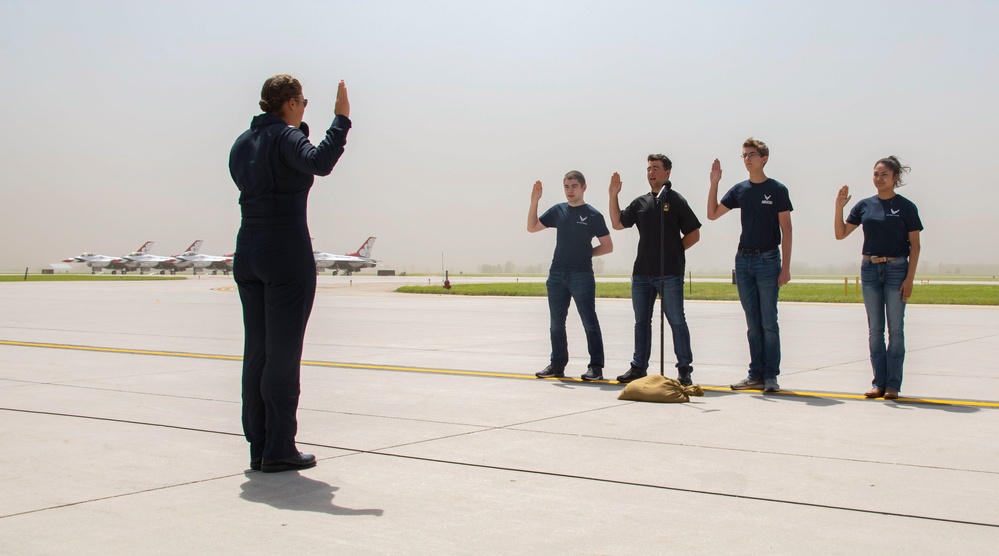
(891, 251)
(667, 227)
(760, 267)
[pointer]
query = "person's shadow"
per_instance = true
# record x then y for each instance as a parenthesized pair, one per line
(290, 490)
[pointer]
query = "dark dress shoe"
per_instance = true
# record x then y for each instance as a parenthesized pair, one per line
(255, 464)
(293, 463)
(634, 373)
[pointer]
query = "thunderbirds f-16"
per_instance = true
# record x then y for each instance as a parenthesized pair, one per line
(349, 263)
(95, 262)
(192, 258)
(142, 260)
(195, 260)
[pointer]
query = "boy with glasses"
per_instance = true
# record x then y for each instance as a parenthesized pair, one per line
(760, 268)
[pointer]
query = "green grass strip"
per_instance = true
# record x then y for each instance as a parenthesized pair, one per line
(932, 294)
(82, 278)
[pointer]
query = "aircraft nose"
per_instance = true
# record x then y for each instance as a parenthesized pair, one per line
(69, 260)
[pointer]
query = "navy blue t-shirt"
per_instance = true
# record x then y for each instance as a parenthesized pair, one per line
(677, 219)
(760, 203)
(576, 227)
(887, 223)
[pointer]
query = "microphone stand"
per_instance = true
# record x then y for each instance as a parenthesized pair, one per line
(662, 279)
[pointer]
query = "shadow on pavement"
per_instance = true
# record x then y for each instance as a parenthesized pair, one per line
(292, 491)
(815, 401)
(914, 403)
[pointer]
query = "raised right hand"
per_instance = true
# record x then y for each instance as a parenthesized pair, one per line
(342, 106)
(615, 184)
(536, 192)
(843, 197)
(716, 172)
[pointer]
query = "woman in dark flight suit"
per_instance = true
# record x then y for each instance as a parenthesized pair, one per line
(274, 164)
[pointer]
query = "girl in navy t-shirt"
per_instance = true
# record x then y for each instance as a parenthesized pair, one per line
(890, 254)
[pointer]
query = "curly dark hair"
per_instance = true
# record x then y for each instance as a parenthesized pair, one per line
(277, 90)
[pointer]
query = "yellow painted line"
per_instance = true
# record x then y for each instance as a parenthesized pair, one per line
(120, 350)
(903, 399)
(330, 364)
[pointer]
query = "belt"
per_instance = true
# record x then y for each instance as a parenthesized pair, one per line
(878, 260)
(755, 251)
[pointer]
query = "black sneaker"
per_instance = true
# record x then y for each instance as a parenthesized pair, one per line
(634, 373)
(550, 372)
(593, 373)
(683, 375)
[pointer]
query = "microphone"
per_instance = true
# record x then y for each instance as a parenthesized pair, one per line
(304, 128)
(662, 192)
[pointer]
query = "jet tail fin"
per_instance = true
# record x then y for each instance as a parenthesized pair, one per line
(365, 249)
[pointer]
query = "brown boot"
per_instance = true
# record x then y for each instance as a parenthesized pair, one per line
(874, 393)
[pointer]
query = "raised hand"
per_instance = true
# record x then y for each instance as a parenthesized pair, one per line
(615, 185)
(536, 192)
(843, 197)
(342, 106)
(716, 172)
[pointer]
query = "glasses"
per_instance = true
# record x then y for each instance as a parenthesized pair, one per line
(304, 101)
(750, 155)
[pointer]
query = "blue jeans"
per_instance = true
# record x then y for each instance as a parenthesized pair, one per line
(882, 299)
(580, 286)
(643, 300)
(756, 279)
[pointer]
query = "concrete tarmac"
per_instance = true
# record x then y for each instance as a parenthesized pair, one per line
(120, 431)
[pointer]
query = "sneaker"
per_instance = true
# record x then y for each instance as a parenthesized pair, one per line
(748, 383)
(550, 372)
(634, 373)
(593, 373)
(770, 385)
(683, 375)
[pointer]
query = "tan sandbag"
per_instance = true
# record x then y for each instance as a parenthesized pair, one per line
(659, 389)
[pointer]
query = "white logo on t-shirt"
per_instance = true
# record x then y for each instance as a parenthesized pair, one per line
(766, 200)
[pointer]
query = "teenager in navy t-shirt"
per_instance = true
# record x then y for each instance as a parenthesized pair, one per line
(571, 273)
(762, 261)
(890, 254)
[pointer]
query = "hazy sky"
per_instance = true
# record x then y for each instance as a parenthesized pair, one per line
(118, 118)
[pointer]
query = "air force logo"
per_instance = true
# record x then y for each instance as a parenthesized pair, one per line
(766, 200)
(582, 220)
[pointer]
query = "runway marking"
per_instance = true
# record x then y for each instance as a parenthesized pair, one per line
(399, 368)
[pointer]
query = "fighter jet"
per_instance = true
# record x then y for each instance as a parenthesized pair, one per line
(349, 263)
(193, 259)
(95, 262)
(142, 260)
